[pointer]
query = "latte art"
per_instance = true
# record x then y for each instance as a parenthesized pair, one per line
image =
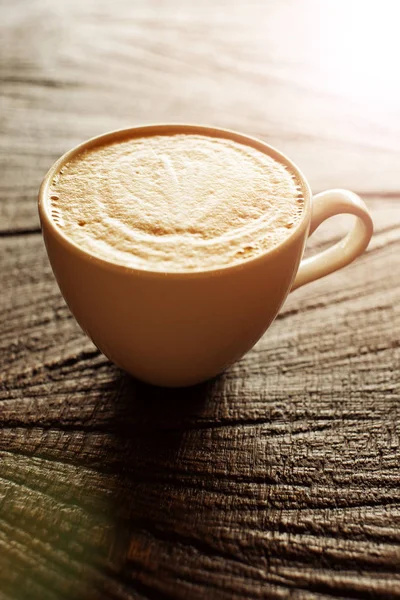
(176, 202)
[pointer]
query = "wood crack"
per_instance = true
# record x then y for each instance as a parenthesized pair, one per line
(38, 81)
(20, 232)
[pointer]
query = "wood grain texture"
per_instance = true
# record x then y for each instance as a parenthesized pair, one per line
(72, 70)
(278, 479)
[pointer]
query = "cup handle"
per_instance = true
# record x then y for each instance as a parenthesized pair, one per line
(325, 205)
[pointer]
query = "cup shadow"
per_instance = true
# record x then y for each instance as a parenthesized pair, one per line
(156, 408)
(154, 434)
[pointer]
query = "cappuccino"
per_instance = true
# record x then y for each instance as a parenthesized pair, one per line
(175, 202)
(176, 245)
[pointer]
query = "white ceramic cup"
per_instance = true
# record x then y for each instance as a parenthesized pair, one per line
(178, 329)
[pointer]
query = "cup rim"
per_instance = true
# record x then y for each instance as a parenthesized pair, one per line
(163, 129)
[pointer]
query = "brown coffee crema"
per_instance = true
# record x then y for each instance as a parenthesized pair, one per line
(176, 202)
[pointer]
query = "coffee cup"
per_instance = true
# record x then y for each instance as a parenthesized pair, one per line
(182, 328)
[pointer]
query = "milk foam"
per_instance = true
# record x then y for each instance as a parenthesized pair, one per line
(176, 203)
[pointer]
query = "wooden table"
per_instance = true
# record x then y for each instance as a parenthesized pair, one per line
(281, 477)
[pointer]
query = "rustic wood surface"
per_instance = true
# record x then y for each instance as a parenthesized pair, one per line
(281, 478)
